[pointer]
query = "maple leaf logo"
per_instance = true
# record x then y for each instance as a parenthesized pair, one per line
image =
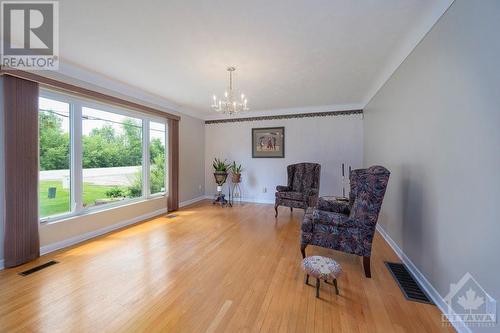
(470, 301)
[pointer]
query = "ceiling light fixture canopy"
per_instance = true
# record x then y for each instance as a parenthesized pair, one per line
(233, 102)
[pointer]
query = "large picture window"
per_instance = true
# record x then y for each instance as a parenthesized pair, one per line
(94, 156)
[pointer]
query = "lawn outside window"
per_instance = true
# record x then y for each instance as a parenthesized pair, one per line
(95, 156)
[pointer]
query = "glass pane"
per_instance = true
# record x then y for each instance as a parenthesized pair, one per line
(112, 157)
(157, 132)
(54, 141)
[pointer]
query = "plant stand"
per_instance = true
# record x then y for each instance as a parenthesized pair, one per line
(234, 188)
(220, 199)
(220, 179)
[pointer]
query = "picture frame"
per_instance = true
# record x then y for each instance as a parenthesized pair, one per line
(268, 142)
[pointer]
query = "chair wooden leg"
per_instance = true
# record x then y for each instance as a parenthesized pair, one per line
(276, 210)
(366, 265)
(317, 288)
(307, 278)
(336, 287)
(303, 250)
(291, 209)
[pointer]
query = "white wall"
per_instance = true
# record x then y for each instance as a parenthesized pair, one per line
(325, 140)
(191, 158)
(436, 126)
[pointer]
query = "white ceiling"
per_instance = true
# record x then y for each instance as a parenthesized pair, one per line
(290, 54)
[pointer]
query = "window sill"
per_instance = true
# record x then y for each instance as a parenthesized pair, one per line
(99, 209)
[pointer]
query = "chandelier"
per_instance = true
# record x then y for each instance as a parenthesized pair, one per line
(231, 103)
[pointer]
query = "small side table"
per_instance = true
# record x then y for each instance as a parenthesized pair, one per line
(335, 198)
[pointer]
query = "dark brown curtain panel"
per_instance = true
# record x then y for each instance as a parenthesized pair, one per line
(21, 239)
(173, 165)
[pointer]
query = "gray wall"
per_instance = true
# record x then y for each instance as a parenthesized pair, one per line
(191, 158)
(2, 172)
(436, 125)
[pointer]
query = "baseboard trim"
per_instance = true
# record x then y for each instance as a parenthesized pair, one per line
(89, 235)
(259, 201)
(460, 327)
(250, 200)
(191, 201)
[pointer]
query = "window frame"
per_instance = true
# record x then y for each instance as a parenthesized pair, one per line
(76, 105)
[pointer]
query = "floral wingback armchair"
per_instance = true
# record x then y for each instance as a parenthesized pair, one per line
(348, 227)
(302, 188)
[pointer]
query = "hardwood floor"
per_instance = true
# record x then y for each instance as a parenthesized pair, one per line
(210, 269)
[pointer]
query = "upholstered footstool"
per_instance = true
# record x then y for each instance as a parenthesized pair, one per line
(322, 268)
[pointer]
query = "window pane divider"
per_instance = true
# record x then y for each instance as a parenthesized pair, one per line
(76, 171)
(146, 192)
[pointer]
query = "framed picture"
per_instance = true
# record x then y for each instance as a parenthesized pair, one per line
(268, 142)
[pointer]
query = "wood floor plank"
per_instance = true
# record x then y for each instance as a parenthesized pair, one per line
(210, 269)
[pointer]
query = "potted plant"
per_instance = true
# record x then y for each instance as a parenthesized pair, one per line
(236, 172)
(220, 172)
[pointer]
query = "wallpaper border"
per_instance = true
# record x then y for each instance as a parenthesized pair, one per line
(286, 116)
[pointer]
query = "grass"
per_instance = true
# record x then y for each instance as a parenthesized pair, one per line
(61, 203)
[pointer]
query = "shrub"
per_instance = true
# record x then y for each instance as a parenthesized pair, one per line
(115, 192)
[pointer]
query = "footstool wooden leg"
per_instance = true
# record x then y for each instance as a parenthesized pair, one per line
(317, 288)
(336, 287)
(307, 278)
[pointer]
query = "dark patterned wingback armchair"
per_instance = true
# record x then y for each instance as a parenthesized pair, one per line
(302, 188)
(349, 226)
